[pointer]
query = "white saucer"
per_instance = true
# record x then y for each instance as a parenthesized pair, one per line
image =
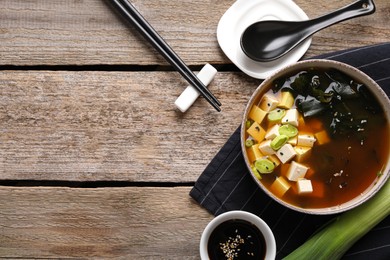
(246, 12)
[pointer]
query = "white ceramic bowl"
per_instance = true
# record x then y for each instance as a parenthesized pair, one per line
(270, 243)
(358, 76)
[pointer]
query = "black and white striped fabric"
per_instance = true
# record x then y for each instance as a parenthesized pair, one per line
(226, 184)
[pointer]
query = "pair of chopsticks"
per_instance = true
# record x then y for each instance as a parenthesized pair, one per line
(134, 17)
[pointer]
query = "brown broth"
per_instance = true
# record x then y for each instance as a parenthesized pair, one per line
(344, 167)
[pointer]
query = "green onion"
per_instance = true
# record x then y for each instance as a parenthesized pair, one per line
(249, 142)
(333, 241)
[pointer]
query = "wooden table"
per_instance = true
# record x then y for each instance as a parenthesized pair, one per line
(95, 160)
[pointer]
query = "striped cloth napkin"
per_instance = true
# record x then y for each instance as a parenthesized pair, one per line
(227, 185)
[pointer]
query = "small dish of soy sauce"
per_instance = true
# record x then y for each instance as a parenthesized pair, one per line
(237, 235)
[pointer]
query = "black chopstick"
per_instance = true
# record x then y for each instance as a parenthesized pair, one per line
(133, 16)
(179, 62)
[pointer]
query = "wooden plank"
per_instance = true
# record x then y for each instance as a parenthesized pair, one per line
(89, 32)
(121, 223)
(89, 126)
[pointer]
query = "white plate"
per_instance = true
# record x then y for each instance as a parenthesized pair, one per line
(246, 12)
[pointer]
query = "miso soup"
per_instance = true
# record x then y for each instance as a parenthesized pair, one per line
(317, 138)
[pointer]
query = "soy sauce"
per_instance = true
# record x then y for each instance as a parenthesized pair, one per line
(236, 239)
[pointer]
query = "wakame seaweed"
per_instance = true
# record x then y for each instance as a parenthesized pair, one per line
(344, 104)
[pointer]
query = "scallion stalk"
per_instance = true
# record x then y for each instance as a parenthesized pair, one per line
(333, 241)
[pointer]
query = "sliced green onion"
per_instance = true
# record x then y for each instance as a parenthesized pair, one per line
(279, 141)
(248, 123)
(249, 142)
(256, 173)
(276, 115)
(288, 130)
(264, 166)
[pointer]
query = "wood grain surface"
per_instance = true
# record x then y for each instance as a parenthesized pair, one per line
(90, 32)
(95, 160)
(105, 223)
(89, 126)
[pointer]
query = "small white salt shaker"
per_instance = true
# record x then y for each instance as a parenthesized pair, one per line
(190, 94)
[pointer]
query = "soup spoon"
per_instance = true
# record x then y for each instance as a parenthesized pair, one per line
(269, 40)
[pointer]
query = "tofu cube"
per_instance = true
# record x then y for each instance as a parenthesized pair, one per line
(280, 186)
(274, 159)
(286, 100)
(284, 168)
(254, 153)
(256, 131)
(272, 132)
(306, 140)
(291, 117)
(296, 171)
(257, 114)
(265, 148)
(286, 153)
(268, 103)
(322, 137)
(304, 186)
(293, 141)
(316, 124)
(301, 121)
(303, 153)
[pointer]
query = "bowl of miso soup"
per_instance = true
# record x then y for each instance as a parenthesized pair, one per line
(315, 136)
